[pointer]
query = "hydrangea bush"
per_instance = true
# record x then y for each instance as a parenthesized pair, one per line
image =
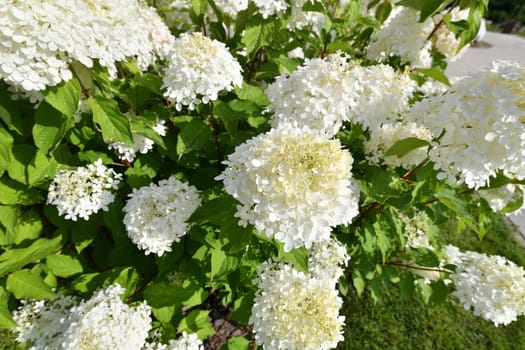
(270, 154)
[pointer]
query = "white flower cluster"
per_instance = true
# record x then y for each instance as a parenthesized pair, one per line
(324, 93)
(141, 143)
(293, 185)
(300, 19)
(184, 342)
(491, 285)
(481, 119)
(102, 322)
(155, 215)
(269, 8)
(294, 310)
(82, 192)
(41, 322)
(327, 260)
(232, 7)
(41, 38)
(384, 137)
(403, 35)
(444, 40)
(198, 69)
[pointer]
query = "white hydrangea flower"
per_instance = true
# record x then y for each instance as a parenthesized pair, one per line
(300, 19)
(141, 143)
(444, 40)
(269, 8)
(294, 310)
(41, 322)
(82, 192)
(491, 285)
(293, 185)
(198, 69)
(105, 322)
(155, 215)
(41, 38)
(328, 259)
(232, 7)
(323, 93)
(403, 35)
(481, 119)
(102, 322)
(384, 137)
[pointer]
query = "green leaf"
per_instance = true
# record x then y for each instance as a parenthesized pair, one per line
(358, 282)
(50, 127)
(435, 73)
(30, 166)
(234, 238)
(242, 308)
(227, 116)
(405, 146)
(161, 294)
(19, 226)
(252, 93)
(298, 257)
(10, 114)
(6, 319)
(197, 322)
(16, 258)
(406, 285)
(64, 97)
(64, 265)
(256, 36)
(150, 82)
(25, 284)
(236, 343)
(6, 142)
(14, 193)
(115, 125)
(222, 264)
(425, 257)
(215, 211)
(439, 293)
(193, 136)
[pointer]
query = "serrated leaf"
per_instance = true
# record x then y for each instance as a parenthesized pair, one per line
(25, 284)
(30, 166)
(115, 125)
(64, 97)
(50, 127)
(64, 265)
(197, 322)
(193, 136)
(16, 258)
(405, 146)
(234, 238)
(150, 82)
